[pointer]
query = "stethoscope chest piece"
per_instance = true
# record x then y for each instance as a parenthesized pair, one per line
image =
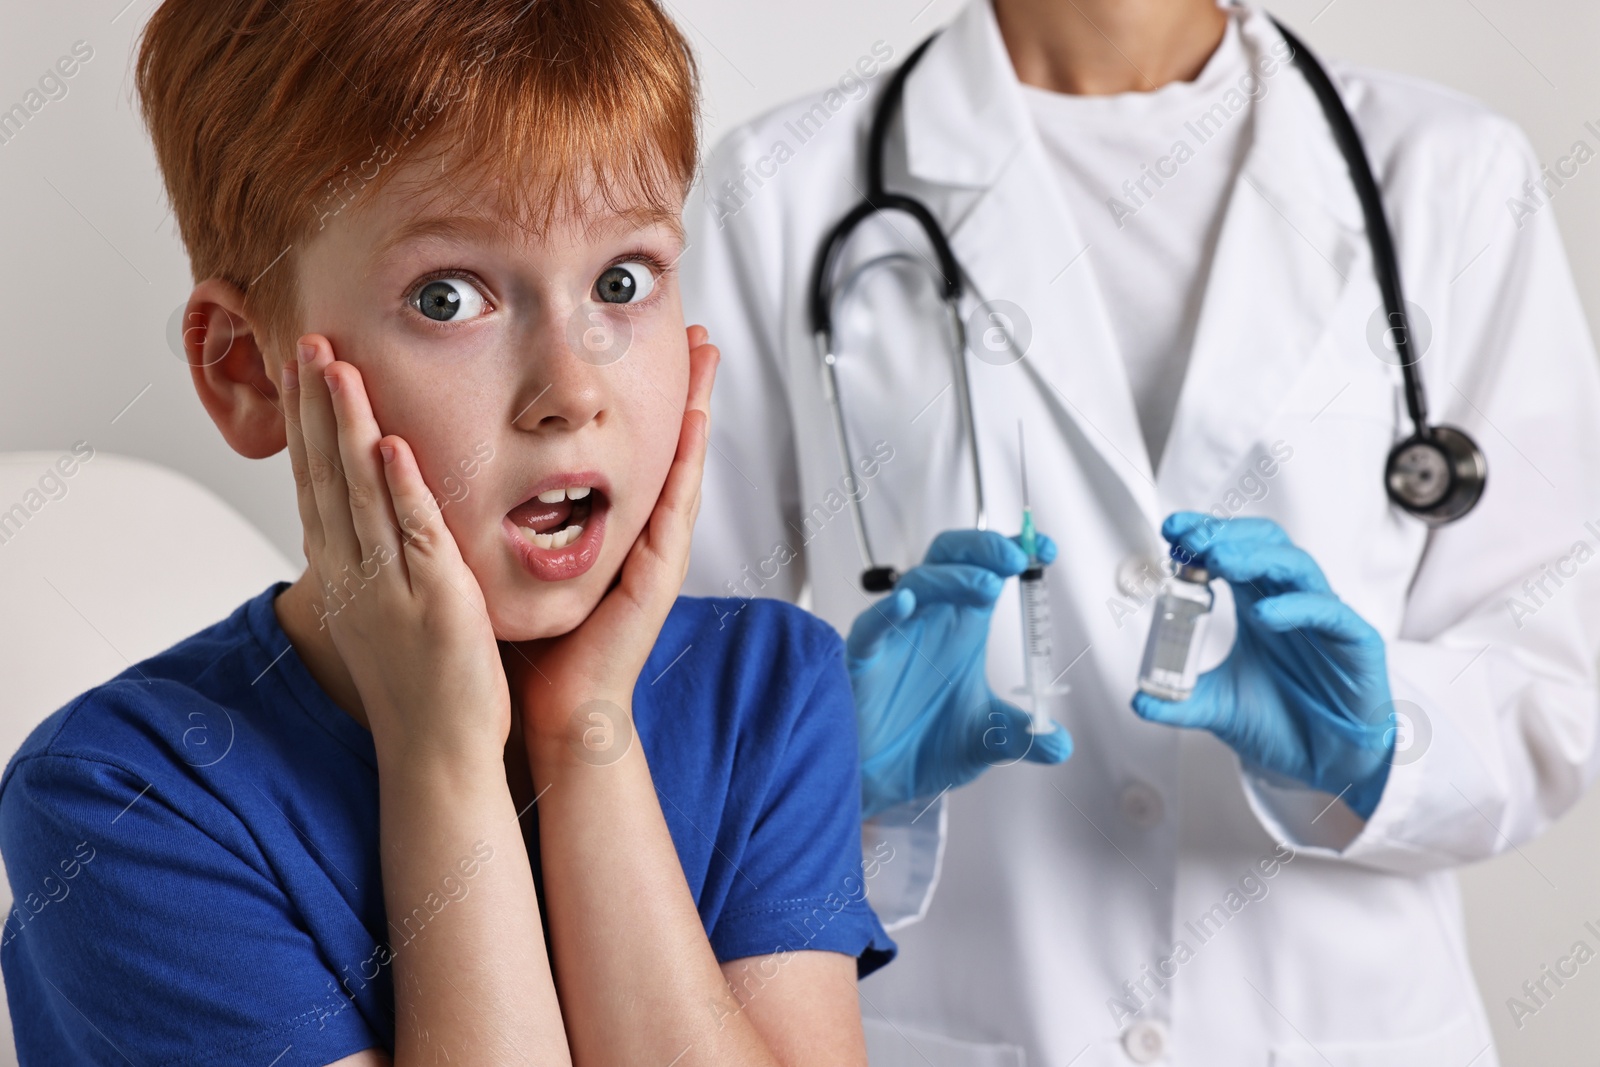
(1437, 475)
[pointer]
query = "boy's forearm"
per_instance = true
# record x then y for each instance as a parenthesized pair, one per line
(639, 982)
(471, 976)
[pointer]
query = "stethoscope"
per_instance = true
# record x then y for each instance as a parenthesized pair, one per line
(1437, 474)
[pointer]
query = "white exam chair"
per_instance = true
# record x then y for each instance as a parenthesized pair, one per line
(129, 559)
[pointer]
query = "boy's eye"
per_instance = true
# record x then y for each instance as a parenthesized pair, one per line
(448, 300)
(626, 283)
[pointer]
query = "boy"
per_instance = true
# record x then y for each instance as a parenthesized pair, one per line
(478, 787)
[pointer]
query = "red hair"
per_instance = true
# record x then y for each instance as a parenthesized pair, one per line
(269, 117)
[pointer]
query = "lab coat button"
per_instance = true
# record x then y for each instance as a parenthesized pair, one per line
(1145, 1041)
(1140, 576)
(1142, 805)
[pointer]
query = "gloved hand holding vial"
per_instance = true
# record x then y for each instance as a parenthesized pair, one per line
(1303, 693)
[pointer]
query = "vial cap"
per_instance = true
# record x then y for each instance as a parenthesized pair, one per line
(1187, 568)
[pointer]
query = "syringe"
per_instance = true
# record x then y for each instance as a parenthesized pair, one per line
(1037, 677)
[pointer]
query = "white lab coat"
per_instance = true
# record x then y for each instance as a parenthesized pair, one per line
(1133, 903)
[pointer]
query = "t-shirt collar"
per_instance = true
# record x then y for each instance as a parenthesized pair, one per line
(282, 666)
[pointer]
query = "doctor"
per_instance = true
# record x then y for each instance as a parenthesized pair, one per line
(1167, 277)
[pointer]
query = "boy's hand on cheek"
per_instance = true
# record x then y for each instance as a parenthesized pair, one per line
(601, 659)
(406, 614)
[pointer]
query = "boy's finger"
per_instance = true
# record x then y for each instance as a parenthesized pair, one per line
(426, 544)
(374, 523)
(702, 375)
(680, 494)
(672, 521)
(677, 504)
(703, 361)
(340, 546)
(305, 497)
(658, 560)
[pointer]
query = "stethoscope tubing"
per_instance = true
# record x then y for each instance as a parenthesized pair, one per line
(1458, 457)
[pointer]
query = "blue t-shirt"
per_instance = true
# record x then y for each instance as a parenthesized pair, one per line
(193, 846)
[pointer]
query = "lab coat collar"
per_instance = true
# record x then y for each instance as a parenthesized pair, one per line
(964, 115)
(1291, 236)
(1292, 239)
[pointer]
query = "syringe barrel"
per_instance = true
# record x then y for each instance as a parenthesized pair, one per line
(1036, 626)
(1038, 674)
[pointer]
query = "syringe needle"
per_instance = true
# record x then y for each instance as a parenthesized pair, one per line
(1022, 453)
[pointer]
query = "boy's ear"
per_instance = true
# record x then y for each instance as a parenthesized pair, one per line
(230, 372)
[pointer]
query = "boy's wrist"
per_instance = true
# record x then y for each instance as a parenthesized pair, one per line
(594, 732)
(454, 764)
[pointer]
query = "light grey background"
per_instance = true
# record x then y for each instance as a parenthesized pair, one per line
(92, 273)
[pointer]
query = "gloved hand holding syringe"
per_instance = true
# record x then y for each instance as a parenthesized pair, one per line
(917, 659)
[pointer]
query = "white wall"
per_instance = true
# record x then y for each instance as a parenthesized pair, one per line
(91, 274)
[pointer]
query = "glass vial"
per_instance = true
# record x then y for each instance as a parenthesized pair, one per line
(1168, 670)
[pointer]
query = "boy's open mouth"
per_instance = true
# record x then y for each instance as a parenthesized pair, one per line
(558, 531)
(555, 518)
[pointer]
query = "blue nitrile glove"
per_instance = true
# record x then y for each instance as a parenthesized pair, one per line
(1305, 691)
(928, 719)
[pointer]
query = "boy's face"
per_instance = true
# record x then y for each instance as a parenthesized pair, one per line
(515, 366)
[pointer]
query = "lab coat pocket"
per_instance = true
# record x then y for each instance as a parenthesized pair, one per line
(898, 1045)
(1461, 1041)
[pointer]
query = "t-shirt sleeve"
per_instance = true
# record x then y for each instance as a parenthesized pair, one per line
(801, 884)
(135, 937)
